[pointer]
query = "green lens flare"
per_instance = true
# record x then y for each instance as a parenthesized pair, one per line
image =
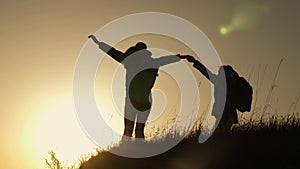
(246, 16)
(224, 30)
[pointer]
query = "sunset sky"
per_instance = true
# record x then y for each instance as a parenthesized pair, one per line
(40, 42)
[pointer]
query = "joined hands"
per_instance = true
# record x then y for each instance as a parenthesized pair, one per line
(188, 57)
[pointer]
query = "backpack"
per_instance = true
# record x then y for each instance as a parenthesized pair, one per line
(140, 88)
(240, 91)
(242, 98)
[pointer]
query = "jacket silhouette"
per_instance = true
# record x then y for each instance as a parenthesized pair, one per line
(141, 73)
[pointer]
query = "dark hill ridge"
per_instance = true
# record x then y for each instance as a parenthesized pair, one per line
(245, 147)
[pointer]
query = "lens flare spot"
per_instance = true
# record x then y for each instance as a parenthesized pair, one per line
(246, 16)
(224, 30)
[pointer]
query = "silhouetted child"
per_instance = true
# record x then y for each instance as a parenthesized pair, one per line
(141, 73)
(238, 94)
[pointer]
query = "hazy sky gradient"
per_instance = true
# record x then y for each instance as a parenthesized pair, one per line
(40, 41)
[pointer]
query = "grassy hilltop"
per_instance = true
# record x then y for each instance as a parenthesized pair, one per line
(255, 144)
(275, 144)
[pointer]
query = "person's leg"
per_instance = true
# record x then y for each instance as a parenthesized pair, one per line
(139, 130)
(128, 128)
(141, 121)
(229, 118)
(129, 118)
(140, 124)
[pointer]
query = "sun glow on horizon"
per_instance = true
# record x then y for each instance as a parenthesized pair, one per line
(56, 128)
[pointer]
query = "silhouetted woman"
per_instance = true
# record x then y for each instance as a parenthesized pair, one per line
(141, 73)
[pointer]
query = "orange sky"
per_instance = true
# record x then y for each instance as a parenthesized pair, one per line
(40, 42)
